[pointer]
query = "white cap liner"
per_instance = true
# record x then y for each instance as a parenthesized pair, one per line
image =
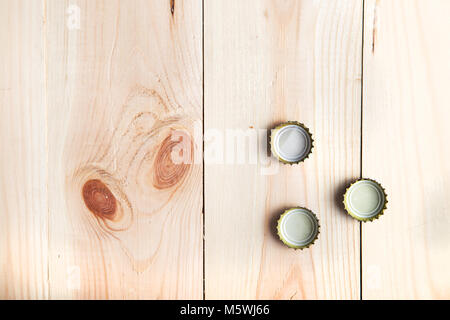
(376, 192)
(285, 221)
(292, 143)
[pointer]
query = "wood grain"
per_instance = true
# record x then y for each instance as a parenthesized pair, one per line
(103, 94)
(23, 160)
(123, 86)
(268, 62)
(99, 98)
(405, 139)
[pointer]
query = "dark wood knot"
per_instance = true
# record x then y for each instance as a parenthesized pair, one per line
(99, 199)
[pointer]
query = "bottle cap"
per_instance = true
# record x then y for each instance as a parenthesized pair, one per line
(365, 200)
(298, 228)
(291, 142)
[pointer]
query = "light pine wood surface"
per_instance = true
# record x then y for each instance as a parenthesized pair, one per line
(406, 254)
(23, 146)
(96, 97)
(118, 87)
(92, 206)
(274, 61)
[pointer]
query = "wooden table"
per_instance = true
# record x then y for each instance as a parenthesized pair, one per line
(92, 205)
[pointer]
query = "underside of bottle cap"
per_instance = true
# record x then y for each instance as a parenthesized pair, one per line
(365, 200)
(298, 228)
(291, 142)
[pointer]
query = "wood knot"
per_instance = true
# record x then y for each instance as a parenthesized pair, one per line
(172, 7)
(99, 199)
(172, 162)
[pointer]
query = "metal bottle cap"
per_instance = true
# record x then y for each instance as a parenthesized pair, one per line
(291, 142)
(365, 200)
(298, 228)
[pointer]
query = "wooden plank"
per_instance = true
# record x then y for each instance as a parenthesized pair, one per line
(23, 161)
(268, 62)
(405, 142)
(125, 221)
